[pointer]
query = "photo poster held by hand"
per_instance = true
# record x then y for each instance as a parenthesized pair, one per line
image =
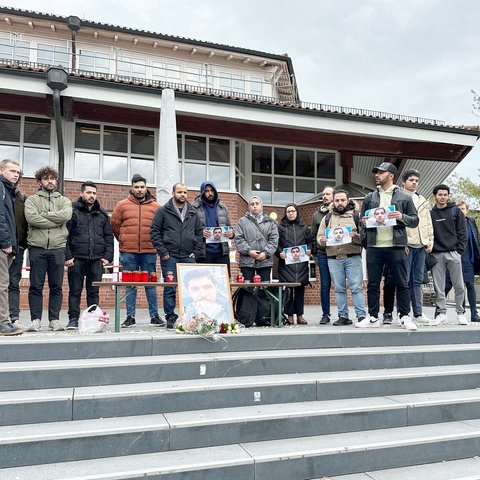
(296, 254)
(338, 236)
(217, 234)
(205, 290)
(378, 217)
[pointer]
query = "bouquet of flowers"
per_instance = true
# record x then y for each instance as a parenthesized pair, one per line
(199, 324)
(230, 327)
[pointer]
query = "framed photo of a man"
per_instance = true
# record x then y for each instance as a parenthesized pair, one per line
(338, 236)
(378, 217)
(296, 254)
(205, 289)
(217, 234)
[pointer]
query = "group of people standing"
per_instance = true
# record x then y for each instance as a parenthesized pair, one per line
(397, 253)
(80, 236)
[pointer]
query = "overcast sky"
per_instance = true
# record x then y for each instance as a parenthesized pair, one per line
(412, 57)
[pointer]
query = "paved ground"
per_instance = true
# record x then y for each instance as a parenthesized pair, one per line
(313, 314)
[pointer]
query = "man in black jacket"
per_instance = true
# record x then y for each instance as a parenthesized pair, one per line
(450, 233)
(386, 245)
(9, 175)
(89, 249)
(177, 235)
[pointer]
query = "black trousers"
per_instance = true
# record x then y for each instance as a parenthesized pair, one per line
(395, 258)
(83, 270)
(45, 262)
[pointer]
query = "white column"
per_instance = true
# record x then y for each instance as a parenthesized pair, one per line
(168, 171)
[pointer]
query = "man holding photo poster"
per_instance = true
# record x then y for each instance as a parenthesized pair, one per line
(344, 254)
(386, 245)
(217, 230)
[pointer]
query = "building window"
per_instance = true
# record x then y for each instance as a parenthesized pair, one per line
(92, 61)
(14, 48)
(203, 158)
(113, 153)
(232, 81)
(131, 67)
(281, 175)
(26, 140)
(52, 55)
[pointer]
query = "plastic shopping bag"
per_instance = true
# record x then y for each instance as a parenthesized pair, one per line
(93, 320)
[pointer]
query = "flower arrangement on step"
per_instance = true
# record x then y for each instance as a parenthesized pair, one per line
(199, 324)
(230, 327)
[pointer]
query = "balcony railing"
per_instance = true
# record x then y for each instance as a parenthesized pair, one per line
(228, 94)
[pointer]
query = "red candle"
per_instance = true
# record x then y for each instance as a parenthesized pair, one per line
(136, 276)
(126, 276)
(153, 277)
(144, 276)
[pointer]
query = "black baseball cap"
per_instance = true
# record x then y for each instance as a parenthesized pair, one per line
(386, 167)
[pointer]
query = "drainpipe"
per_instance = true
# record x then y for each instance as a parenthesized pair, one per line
(57, 81)
(74, 24)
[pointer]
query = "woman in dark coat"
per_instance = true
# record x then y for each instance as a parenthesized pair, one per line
(293, 232)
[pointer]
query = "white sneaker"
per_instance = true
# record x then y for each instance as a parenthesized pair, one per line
(408, 323)
(462, 319)
(424, 320)
(56, 326)
(368, 322)
(35, 326)
(441, 318)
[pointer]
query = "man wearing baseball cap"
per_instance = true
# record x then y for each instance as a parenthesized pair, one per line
(386, 245)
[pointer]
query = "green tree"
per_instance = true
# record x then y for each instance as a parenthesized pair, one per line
(463, 187)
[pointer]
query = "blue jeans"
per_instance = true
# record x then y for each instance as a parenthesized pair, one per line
(350, 269)
(325, 282)
(415, 272)
(170, 293)
(143, 262)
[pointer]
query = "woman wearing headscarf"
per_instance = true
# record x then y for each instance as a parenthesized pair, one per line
(293, 232)
(256, 238)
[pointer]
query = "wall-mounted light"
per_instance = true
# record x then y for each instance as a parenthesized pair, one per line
(229, 57)
(246, 60)
(211, 54)
(262, 63)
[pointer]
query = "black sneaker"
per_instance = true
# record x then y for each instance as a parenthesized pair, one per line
(342, 321)
(129, 322)
(158, 321)
(387, 318)
(9, 329)
(72, 324)
(171, 319)
(325, 319)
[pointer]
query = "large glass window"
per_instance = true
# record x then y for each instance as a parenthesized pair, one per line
(14, 48)
(115, 153)
(131, 67)
(204, 158)
(293, 175)
(26, 140)
(92, 61)
(52, 55)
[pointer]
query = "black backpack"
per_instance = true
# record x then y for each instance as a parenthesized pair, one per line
(251, 305)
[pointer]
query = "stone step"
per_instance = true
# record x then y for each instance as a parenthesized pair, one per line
(465, 469)
(72, 345)
(308, 457)
(107, 401)
(174, 431)
(108, 371)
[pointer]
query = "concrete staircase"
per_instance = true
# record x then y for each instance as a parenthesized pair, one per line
(273, 404)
